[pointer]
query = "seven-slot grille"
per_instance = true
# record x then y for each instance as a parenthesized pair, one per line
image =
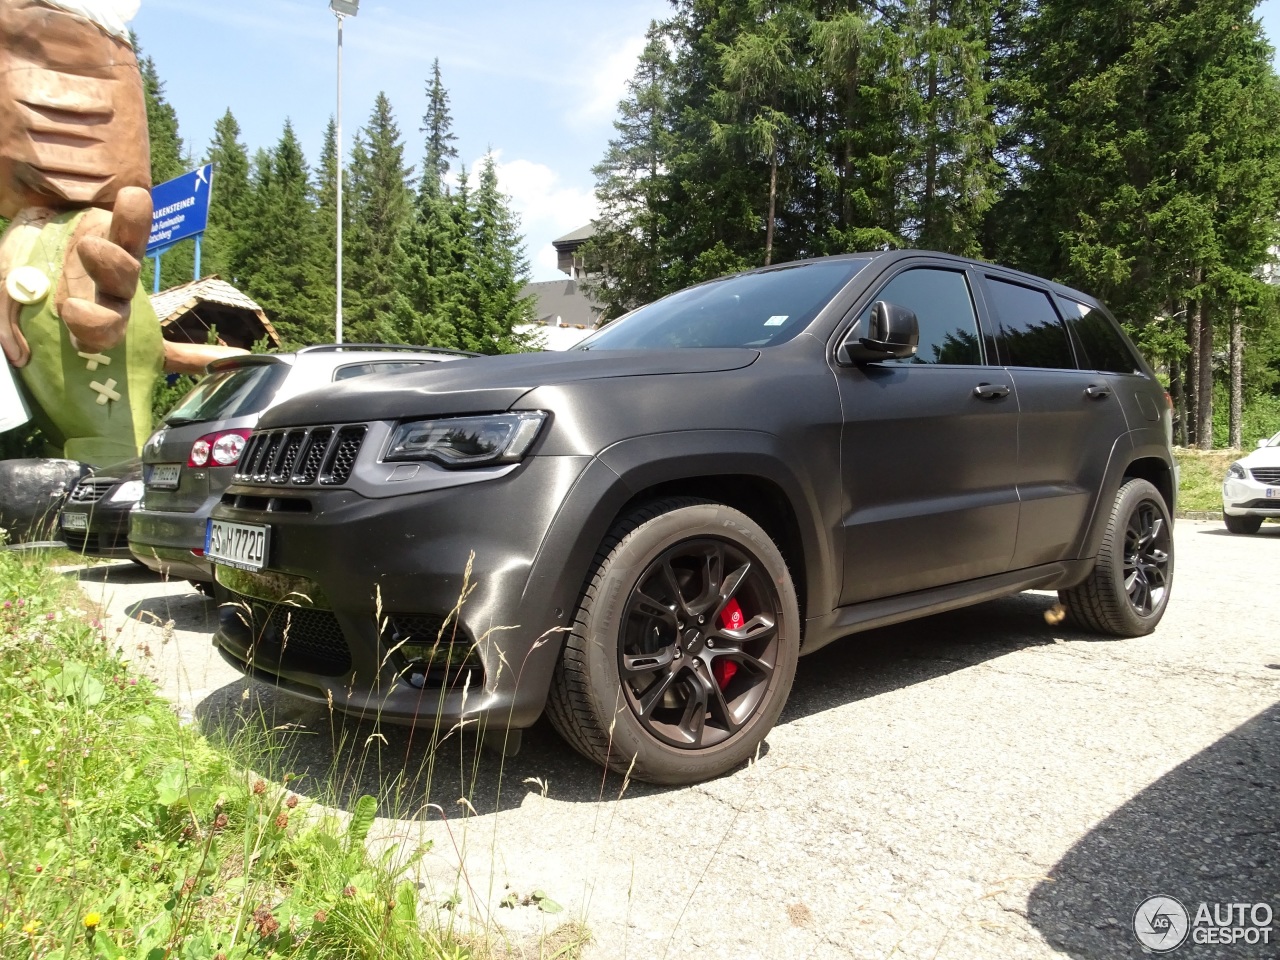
(301, 455)
(91, 489)
(1266, 474)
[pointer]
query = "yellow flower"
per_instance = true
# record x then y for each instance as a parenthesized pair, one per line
(92, 919)
(30, 927)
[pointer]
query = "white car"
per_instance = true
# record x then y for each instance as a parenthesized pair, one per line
(1251, 490)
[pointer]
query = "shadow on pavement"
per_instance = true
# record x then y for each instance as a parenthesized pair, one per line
(340, 758)
(1205, 832)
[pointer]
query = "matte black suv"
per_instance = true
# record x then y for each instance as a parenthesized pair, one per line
(649, 529)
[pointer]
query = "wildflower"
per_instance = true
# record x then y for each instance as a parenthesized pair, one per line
(42, 787)
(133, 681)
(188, 885)
(282, 821)
(48, 616)
(259, 786)
(220, 821)
(31, 927)
(39, 869)
(292, 801)
(349, 890)
(320, 916)
(267, 924)
(91, 920)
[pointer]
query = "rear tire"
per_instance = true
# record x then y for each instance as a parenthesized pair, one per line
(684, 646)
(1242, 524)
(1126, 593)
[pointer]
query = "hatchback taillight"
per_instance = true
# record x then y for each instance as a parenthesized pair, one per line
(217, 449)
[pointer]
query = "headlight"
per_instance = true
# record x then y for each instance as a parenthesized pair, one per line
(467, 441)
(1236, 471)
(128, 492)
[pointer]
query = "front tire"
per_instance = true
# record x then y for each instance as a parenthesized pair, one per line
(684, 646)
(1242, 524)
(1126, 593)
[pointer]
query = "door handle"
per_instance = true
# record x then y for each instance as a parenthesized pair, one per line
(990, 391)
(1097, 392)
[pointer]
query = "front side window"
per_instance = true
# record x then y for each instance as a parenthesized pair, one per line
(1031, 331)
(944, 309)
(1104, 347)
(745, 310)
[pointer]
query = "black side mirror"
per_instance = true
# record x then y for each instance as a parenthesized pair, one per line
(893, 333)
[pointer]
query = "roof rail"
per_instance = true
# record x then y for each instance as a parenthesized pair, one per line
(407, 347)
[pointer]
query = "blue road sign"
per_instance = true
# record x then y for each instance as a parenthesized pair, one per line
(180, 208)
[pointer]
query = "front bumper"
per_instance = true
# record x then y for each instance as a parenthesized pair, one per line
(1249, 498)
(105, 532)
(371, 579)
(166, 542)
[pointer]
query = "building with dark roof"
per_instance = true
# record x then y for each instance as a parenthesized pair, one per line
(565, 312)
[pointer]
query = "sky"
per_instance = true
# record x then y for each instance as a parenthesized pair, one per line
(536, 82)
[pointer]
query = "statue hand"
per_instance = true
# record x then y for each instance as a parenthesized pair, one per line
(101, 270)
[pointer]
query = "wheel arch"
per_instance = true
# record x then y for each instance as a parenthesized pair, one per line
(1130, 461)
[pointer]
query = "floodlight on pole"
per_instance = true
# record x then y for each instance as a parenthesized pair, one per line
(341, 9)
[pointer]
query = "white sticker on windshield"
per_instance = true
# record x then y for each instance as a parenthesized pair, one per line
(775, 321)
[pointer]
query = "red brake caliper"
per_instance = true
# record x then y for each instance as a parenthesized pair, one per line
(722, 668)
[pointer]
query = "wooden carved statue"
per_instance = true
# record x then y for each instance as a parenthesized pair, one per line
(74, 180)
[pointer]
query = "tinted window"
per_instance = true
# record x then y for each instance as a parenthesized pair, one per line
(230, 393)
(942, 305)
(1104, 347)
(380, 366)
(1031, 331)
(747, 310)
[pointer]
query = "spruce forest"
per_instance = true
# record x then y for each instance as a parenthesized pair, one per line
(432, 253)
(1130, 148)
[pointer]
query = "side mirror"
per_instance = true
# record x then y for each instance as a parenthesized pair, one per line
(893, 333)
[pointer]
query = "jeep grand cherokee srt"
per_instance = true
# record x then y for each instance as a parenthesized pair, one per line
(640, 536)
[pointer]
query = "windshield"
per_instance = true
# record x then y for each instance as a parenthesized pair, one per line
(229, 393)
(746, 310)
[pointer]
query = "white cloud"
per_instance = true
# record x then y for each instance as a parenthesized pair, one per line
(606, 80)
(548, 207)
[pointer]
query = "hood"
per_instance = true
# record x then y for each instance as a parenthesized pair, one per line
(487, 384)
(1262, 457)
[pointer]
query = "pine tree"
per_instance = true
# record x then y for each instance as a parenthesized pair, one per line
(433, 263)
(499, 271)
(376, 307)
(228, 202)
(625, 258)
(282, 250)
(1152, 170)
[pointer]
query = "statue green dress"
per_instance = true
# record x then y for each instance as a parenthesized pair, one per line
(94, 407)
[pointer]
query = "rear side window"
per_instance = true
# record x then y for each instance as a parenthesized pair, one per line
(230, 393)
(381, 366)
(944, 309)
(1104, 347)
(1031, 331)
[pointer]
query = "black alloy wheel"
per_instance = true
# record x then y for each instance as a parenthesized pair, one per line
(1147, 553)
(699, 643)
(1128, 589)
(684, 645)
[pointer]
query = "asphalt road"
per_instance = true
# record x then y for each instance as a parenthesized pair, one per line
(975, 785)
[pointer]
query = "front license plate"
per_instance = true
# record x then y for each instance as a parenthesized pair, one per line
(164, 476)
(1273, 491)
(75, 521)
(241, 545)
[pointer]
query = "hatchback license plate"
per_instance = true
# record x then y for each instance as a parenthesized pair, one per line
(75, 521)
(241, 545)
(164, 476)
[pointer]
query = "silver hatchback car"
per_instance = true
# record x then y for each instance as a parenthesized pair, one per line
(190, 460)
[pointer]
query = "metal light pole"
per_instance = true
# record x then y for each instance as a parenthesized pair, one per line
(341, 9)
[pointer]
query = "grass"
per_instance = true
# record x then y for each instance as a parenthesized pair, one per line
(124, 833)
(1200, 478)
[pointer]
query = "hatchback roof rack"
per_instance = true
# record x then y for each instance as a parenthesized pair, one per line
(406, 347)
